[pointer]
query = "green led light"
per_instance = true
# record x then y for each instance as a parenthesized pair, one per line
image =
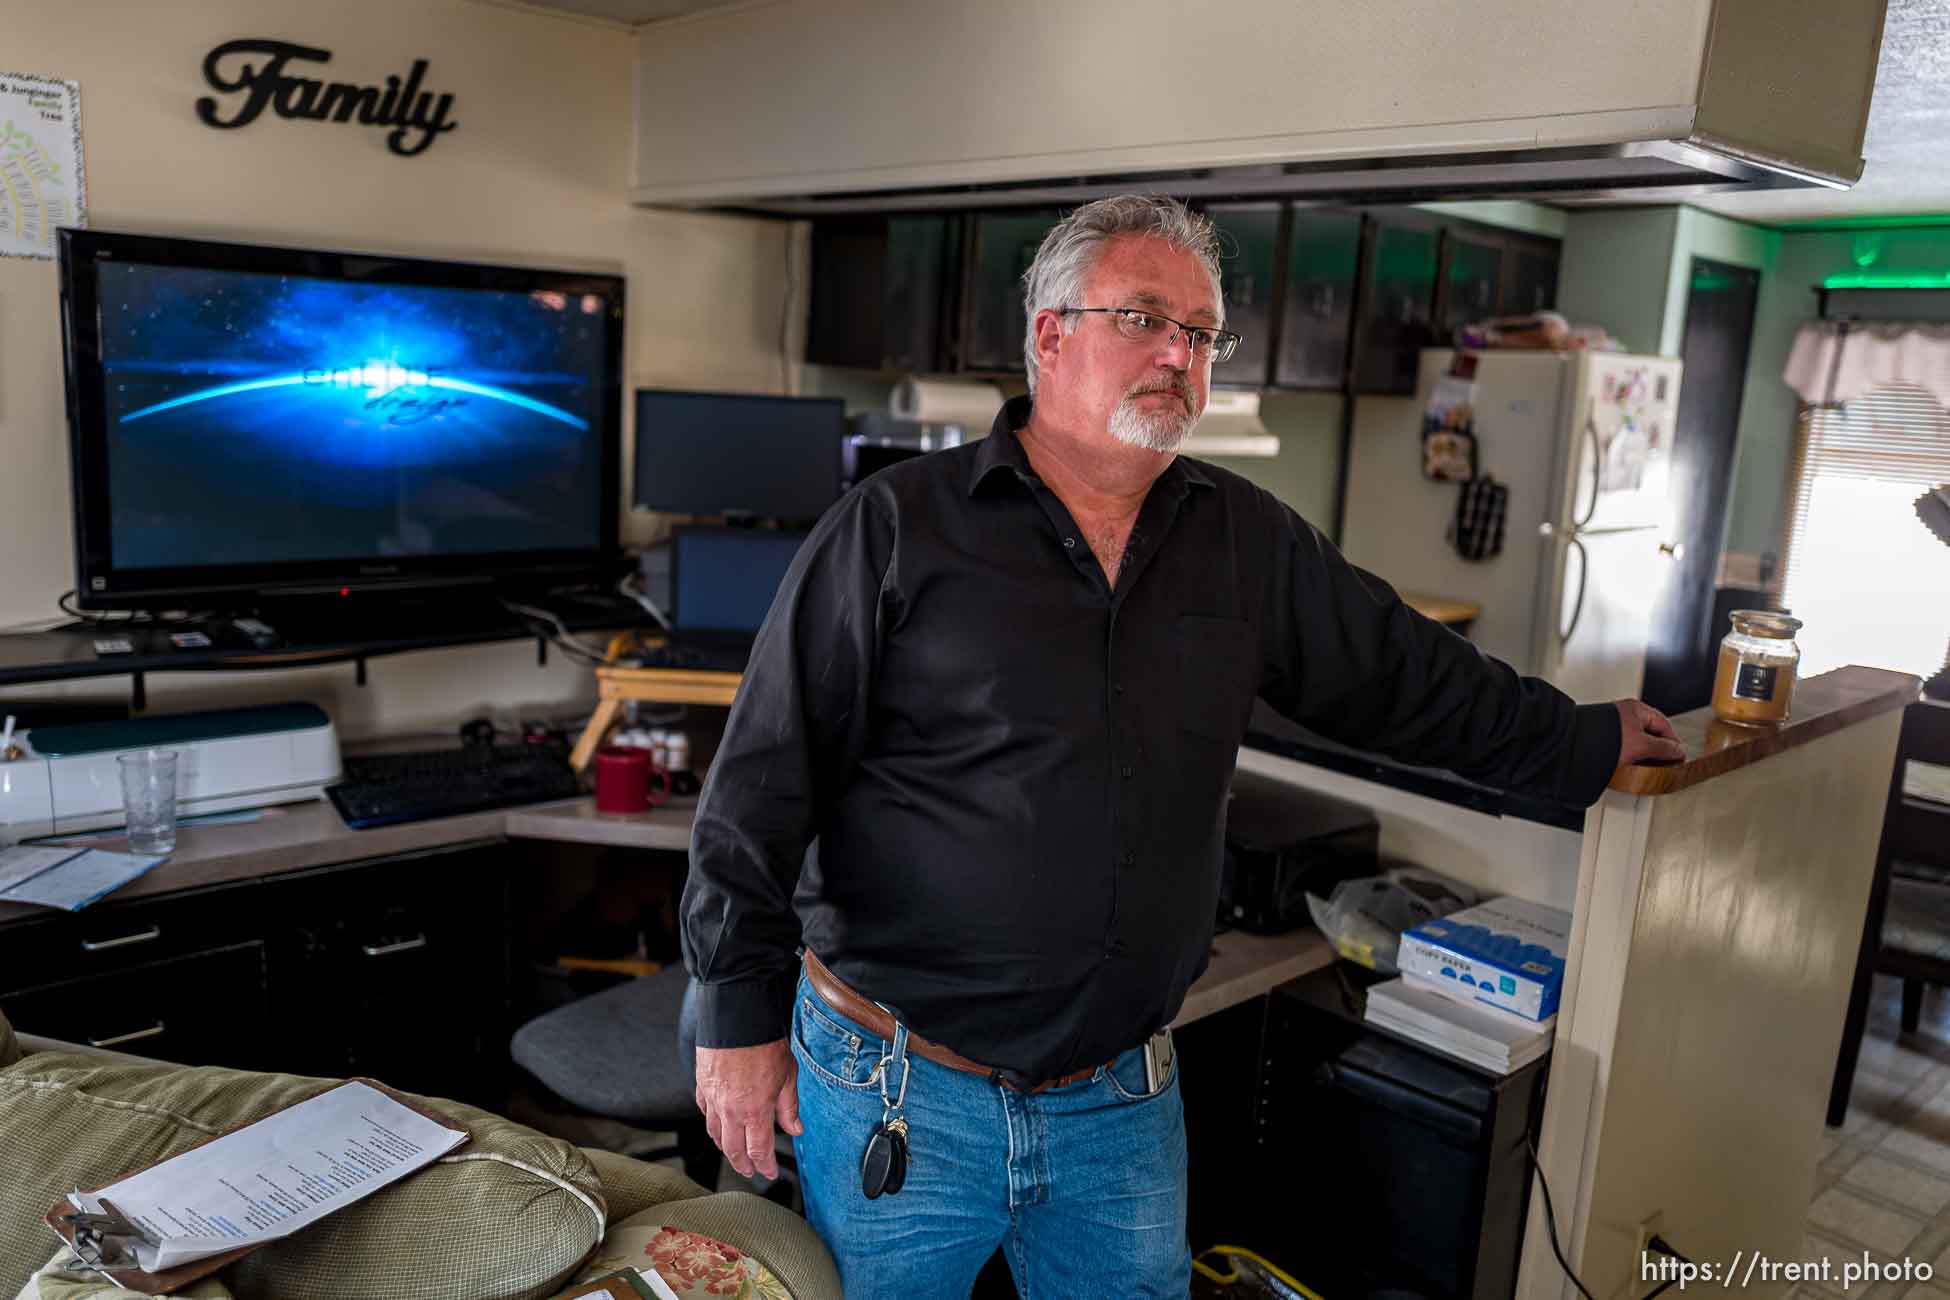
(1941, 280)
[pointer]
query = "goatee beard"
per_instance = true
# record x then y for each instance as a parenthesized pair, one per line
(1160, 431)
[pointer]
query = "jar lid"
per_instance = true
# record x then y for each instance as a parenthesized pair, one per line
(1765, 623)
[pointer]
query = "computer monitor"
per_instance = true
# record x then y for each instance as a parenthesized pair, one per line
(738, 454)
(252, 421)
(722, 580)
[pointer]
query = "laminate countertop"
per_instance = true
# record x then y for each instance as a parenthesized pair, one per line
(1822, 705)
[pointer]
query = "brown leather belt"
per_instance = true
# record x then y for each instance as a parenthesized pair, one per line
(835, 994)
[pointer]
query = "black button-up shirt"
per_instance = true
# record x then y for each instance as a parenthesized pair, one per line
(1016, 773)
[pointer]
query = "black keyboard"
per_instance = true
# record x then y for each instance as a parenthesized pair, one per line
(384, 789)
(702, 658)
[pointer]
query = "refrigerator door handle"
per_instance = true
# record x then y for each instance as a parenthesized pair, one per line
(1584, 574)
(1597, 467)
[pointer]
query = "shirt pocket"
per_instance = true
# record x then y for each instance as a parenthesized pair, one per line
(1218, 666)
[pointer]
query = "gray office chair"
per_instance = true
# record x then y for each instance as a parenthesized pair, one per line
(628, 1053)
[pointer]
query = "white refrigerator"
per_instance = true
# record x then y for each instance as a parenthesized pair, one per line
(1583, 441)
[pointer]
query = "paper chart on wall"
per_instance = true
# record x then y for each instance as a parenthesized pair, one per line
(42, 182)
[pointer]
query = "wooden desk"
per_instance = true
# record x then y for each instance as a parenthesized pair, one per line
(1455, 613)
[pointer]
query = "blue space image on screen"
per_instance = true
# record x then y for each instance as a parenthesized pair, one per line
(257, 418)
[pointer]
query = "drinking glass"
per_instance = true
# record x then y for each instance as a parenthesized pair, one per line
(149, 799)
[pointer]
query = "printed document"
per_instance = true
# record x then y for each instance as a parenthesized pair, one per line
(273, 1177)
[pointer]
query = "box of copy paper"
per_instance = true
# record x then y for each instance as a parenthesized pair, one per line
(1508, 953)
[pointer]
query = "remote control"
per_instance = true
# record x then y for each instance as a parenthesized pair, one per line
(261, 634)
(114, 645)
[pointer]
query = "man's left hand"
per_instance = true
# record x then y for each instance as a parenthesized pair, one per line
(1645, 736)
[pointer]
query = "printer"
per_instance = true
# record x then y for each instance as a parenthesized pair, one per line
(67, 778)
(1283, 843)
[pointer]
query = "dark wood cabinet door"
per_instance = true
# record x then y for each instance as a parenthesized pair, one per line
(1395, 322)
(881, 291)
(398, 971)
(922, 259)
(1323, 263)
(1472, 282)
(1001, 247)
(1529, 279)
(207, 1008)
(1249, 273)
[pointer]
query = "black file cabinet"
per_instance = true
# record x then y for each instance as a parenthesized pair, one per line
(1369, 1164)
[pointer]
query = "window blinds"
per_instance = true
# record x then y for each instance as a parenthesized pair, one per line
(1870, 582)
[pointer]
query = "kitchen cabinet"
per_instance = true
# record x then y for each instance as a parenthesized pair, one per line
(1250, 273)
(1323, 263)
(186, 1009)
(1529, 277)
(1398, 297)
(395, 968)
(1471, 282)
(1001, 247)
(883, 289)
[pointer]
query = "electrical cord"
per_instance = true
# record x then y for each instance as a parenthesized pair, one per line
(1550, 1222)
(1550, 1217)
(625, 587)
(1232, 1275)
(83, 618)
(565, 640)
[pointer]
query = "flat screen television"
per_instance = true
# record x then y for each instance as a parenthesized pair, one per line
(738, 453)
(250, 421)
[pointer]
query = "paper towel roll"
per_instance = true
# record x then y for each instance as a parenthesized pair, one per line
(948, 401)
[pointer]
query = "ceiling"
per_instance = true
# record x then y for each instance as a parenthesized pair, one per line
(1906, 167)
(1906, 150)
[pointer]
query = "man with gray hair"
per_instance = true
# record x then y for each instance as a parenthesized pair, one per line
(1004, 686)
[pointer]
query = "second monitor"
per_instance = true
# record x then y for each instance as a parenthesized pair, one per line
(738, 454)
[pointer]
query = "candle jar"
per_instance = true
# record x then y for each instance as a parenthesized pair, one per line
(1758, 661)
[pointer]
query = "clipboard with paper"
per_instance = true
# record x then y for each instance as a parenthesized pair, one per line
(162, 1227)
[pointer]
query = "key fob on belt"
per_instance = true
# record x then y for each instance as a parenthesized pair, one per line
(884, 1166)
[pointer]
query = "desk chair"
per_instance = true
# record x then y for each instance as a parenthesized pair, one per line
(1907, 929)
(629, 1053)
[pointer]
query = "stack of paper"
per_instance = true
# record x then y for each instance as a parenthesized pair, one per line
(66, 877)
(1421, 1009)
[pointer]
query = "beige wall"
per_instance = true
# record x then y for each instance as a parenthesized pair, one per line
(536, 173)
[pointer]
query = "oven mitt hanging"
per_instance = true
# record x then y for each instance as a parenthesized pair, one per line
(1481, 505)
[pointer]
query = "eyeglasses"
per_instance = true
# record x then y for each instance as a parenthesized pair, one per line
(1149, 327)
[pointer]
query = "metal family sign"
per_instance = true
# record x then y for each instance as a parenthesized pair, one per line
(255, 72)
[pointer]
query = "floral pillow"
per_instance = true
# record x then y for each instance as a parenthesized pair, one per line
(692, 1265)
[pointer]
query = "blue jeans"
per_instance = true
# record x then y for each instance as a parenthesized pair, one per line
(1083, 1186)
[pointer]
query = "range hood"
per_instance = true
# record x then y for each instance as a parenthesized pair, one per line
(816, 106)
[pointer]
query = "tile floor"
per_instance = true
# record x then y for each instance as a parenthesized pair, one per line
(1883, 1184)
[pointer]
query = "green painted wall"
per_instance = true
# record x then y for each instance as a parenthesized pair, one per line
(1806, 257)
(1306, 471)
(1617, 270)
(1511, 214)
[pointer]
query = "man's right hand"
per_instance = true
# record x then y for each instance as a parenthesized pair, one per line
(741, 1090)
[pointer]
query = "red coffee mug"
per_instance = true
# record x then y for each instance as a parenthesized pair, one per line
(628, 780)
